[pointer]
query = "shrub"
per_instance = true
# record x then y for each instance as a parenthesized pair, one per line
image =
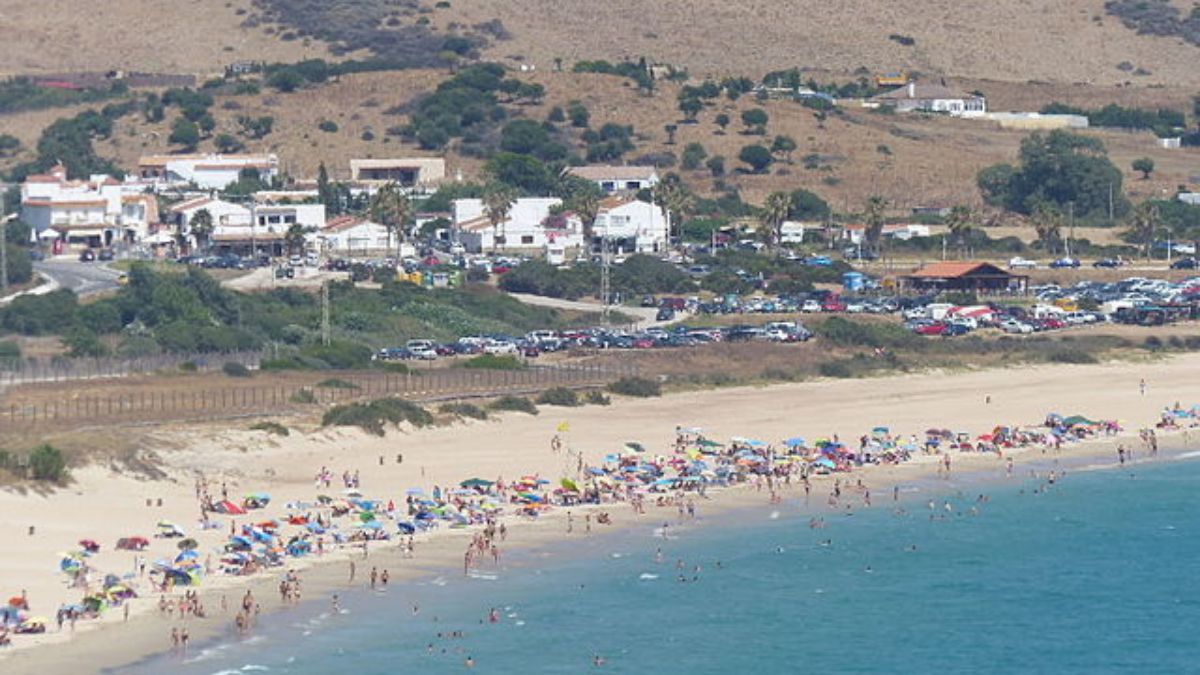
(235, 369)
(560, 396)
(636, 386)
(595, 397)
(835, 369)
(304, 396)
(47, 463)
(274, 428)
(10, 350)
(861, 334)
(328, 126)
(372, 416)
(1070, 356)
(336, 383)
(188, 367)
(494, 362)
(463, 410)
(515, 404)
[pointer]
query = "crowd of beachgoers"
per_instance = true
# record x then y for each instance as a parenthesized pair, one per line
(263, 536)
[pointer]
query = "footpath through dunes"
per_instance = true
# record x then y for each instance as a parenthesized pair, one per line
(107, 500)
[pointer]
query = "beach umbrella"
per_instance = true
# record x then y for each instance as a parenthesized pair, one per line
(406, 528)
(189, 554)
(635, 446)
(569, 484)
(475, 483)
(372, 525)
(414, 491)
(324, 499)
(352, 492)
(229, 508)
(794, 442)
(187, 544)
(366, 516)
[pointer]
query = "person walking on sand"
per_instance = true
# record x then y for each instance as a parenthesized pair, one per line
(1142, 386)
(352, 570)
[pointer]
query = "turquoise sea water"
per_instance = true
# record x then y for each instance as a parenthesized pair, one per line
(1099, 574)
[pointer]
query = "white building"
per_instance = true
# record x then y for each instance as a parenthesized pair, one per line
(919, 97)
(528, 228)
(1192, 198)
(94, 213)
(258, 227)
(618, 178)
(351, 235)
(207, 172)
(856, 234)
(407, 172)
(632, 225)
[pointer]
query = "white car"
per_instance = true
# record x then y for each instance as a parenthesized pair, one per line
(1019, 263)
(810, 307)
(1014, 326)
(500, 348)
(424, 350)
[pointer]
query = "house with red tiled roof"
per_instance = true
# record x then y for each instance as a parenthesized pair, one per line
(967, 277)
(353, 235)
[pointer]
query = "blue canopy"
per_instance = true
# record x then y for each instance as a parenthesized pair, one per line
(794, 442)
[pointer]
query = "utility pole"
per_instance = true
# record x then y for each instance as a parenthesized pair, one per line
(325, 313)
(605, 274)
(4, 250)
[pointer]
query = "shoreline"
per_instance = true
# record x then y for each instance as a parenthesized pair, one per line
(145, 635)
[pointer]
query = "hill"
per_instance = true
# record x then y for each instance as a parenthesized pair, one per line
(1018, 41)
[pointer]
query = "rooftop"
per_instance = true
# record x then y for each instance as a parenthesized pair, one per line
(613, 172)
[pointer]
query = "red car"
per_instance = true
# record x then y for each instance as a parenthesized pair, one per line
(833, 304)
(931, 329)
(1050, 323)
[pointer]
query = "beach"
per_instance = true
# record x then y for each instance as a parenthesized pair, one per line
(104, 504)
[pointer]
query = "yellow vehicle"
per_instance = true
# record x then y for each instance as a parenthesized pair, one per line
(123, 279)
(1067, 304)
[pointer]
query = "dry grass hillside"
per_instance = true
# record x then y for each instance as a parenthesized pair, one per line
(173, 36)
(911, 160)
(1014, 40)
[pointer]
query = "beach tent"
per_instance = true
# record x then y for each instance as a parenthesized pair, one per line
(794, 442)
(634, 446)
(476, 483)
(229, 508)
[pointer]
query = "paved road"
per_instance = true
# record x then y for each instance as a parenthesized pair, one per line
(646, 317)
(83, 278)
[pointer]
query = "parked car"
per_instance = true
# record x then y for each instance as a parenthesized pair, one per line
(1107, 263)
(810, 307)
(105, 255)
(664, 314)
(936, 328)
(1016, 327)
(1184, 264)
(425, 350)
(955, 330)
(1019, 263)
(818, 261)
(1062, 263)
(500, 348)
(87, 255)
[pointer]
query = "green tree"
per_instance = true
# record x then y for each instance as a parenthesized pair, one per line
(295, 238)
(1058, 169)
(784, 145)
(498, 200)
(587, 205)
(690, 106)
(391, 209)
(228, 143)
(579, 114)
(1047, 224)
(959, 223)
(722, 120)
(201, 227)
(716, 165)
(326, 193)
(808, 206)
(756, 157)
(670, 129)
(185, 133)
(1144, 224)
(773, 215)
(1145, 166)
(873, 221)
(521, 172)
(755, 120)
(693, 155)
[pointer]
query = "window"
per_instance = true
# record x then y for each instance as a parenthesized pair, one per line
(608, 185)
(527, 239)
(290, 219)
(500, 239)
(633, 185)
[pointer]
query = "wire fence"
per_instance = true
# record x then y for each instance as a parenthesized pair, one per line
(245, 398)
(32, 371)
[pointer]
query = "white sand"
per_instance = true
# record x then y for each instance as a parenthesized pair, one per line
(104, 505)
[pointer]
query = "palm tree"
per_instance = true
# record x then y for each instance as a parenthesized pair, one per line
(1047, 222)
(201, 226)
(774, 213)
(586, 205)
(294, 238)
(1144, 224)
(873, 222)
(960, 223)
(390, 207)
(675, 200)
(498, 201)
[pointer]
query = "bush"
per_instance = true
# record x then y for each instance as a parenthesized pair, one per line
(515, 404)
(328, 126)
(10, 350)
(855, 334)
(235, 369)
(336, 383)
(304, 396)
(560, 396)
(1071, 356)
(47, 463)
(494, 362)
(371, 417)
(595, 397)
(837, 369)
(463, 410)
(273, 428)
(636, 386)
